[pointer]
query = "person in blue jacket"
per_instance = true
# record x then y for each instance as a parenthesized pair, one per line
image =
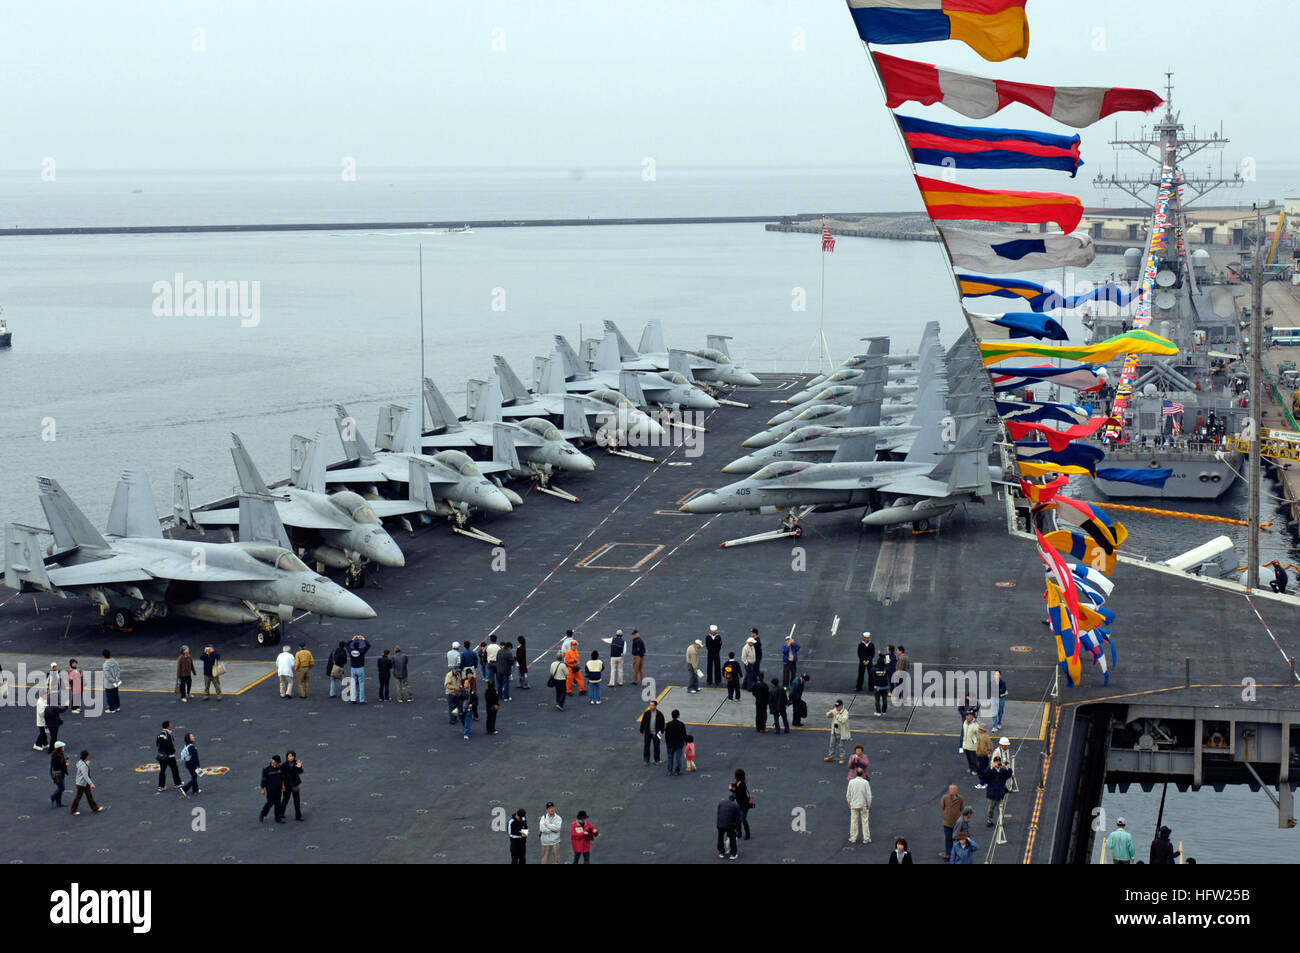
(963, 849)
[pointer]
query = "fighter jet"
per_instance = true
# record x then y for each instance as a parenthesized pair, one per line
(800, 487)
(671, 388)
(134, 574)
(920, 501)
(841, 385)
(818, 444)
(456, 482)
(838, 394)
(852, 376)
(619, 422)
(824, 415)
(337, 530)
(711, 364)
(930, 334)
(539, 445)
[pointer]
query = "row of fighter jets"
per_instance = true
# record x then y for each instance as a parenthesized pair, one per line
(907, 437)
(619, 397)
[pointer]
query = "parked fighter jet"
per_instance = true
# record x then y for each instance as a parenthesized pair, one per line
(838, 394)
(671, 388)
(852, 376)
(456, 481)
(134, 574)
(539, 445)
(930, 334)
(803, 487)
(819, 444)
(336, 530)
(711, 364)
(824, 415)
(920, 501)
(619, 422)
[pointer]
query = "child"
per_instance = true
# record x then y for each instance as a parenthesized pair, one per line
(690, 753)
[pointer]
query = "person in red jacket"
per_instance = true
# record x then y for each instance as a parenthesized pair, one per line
(582, 832)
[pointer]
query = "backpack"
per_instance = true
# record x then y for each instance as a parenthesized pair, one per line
(161, 743)
(803, 708)
(730, 671)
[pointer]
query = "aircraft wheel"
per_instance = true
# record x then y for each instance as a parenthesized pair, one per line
(121, 618)
(798, 531)
(263, 637)
(921, 525)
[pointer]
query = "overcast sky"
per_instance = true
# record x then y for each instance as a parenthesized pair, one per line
(120, 86)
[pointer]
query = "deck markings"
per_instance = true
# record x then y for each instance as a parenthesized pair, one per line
(585, 540)
(590, 562)
(1250, 602)
(893, 575)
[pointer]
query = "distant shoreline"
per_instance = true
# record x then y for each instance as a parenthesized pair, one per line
(436, 226)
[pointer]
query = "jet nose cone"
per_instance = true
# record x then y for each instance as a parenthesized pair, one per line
(700, 401)
(747, 379)
(385, 552)
(781, 418)
(492, 500)
(759, 440)
(579, 463)
(704, 503)
(347, 605)
(741, 465)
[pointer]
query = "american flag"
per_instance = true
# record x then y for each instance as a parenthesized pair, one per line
(828, 240)
(1171, 407)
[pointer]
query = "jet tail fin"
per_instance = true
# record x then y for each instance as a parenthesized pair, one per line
(24, 566)
(607, 358)
(965, 466)
(503, 447)
(551, 376)
(306, 464)
(68, 524)
(259, 522)
(354, 445)
(626, 352)
(512, 388)
(679, 363)
(573, 367)
(575, 418)
(418, 489)
(397, 430)
(441, 416)
(934, 425)
(629, 385)
(181, 509)
(133, 512)
(652, 338)
(719, 343)
(250, 481)
(856, 449)
(487, 406)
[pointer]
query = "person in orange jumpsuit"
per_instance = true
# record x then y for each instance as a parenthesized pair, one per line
(574, 665)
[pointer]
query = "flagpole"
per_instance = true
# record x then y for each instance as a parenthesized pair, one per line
(821, 305)
(420, 391)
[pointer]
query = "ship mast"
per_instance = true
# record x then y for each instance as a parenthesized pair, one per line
(1169, 149)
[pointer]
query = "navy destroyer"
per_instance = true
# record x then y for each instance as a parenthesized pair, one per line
(1179, 409)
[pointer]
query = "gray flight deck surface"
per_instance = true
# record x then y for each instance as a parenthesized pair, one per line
(396, 783)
